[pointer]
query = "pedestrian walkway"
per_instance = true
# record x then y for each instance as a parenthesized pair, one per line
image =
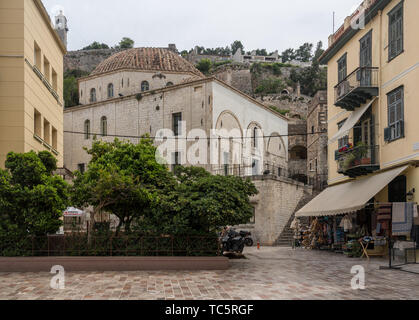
(270, 273)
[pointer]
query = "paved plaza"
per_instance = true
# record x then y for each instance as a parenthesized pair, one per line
(270, 273)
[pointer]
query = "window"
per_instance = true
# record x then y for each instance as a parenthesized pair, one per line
(312, 129)
(47, 71)
(253, 219)
(169, 84)
(395, 128)
(175, 160)
(37, 56)
(395, 32)
(342, 68)
(110, 90)
(104, 126)
(145, 86)
(54, 80)
(226, 163)
(47, 132)
(37, 123)
(81, 167)
(93, 95)
(255, 137)
(255, 167)
(344, 140)
(177, 118)
(54, 138)
(87, 130)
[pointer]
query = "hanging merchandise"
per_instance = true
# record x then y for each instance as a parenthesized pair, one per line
(346, 223)
(402, 218)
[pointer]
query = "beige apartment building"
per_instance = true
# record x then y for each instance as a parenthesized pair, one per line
(373, 82)
(31, 80)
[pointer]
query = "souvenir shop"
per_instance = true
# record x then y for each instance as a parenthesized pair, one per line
(349, 219)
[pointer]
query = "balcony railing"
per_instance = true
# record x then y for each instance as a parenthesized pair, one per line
(357, 161)
(267, 170)
(357, 88)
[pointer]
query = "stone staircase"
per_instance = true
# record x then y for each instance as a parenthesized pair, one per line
(286, 237)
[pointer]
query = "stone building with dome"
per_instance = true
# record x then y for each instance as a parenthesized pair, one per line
(144, 90)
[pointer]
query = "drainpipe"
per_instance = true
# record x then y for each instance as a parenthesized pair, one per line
(380, 127)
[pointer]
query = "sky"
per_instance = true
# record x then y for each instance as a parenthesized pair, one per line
(270, 24)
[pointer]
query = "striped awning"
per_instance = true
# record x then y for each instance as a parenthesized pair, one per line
(350, 196)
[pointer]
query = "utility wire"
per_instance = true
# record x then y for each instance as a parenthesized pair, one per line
(192, 138)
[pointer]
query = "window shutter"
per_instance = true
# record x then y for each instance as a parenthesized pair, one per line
(387, 134)
(401, 128)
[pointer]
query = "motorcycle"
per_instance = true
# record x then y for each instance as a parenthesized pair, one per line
(248, 240)
(232, 241)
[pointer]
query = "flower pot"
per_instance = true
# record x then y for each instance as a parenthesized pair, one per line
(357, 163)
(366, 161)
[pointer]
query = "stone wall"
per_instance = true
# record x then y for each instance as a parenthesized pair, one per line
(237, 77)
(317, 167)
(86, 60)
(274, 205)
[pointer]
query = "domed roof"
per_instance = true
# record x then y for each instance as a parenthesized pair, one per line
(146, 59)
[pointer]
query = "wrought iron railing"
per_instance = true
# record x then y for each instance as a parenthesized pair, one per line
(352, 157)
(363, 77)
(267, 169)
(84, 245)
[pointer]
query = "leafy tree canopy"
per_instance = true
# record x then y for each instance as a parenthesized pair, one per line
(236, 45)
(126, 43)
(96, 45)
(126, 180)
(204, 66)
(32, 199)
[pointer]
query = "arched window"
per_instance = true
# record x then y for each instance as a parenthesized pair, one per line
(87, 129)
(145, 86)
(169, 84)
(110, 90)
(93, 95)
(104, 126)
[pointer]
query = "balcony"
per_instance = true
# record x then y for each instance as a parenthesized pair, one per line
(357, 161)
(357, 88)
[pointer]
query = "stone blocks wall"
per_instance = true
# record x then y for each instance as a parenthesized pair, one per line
(274, 205)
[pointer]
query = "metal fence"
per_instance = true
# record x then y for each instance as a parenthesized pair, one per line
(83, 245)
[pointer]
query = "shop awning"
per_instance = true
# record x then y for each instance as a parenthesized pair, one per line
(351, 122)
(348, 197)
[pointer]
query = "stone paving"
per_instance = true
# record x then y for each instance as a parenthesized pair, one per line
(270, 273)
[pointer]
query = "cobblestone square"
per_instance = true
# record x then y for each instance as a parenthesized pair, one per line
(271, 273)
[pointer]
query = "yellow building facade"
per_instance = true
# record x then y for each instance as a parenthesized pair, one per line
(373, 80)
(31, 80)
(373, 137)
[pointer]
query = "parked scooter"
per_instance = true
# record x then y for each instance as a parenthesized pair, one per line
(248, 240)
(232, 241)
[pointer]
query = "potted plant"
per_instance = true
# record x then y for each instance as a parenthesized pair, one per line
(349, 161)
(362, 153)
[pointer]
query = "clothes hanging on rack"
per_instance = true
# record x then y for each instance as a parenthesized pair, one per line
(346, 223)
(384, 212)
(402, 218)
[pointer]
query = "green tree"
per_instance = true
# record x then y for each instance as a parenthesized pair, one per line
(288, 55)
(123, 179)
(236, 45)
(201, 202)
(96, 45)
(269, 86)
(126, 43)
(71, 89)
(319, 51)
(303, 53)
(204, 66)
(32, 199)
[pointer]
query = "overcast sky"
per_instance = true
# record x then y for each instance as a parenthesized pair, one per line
(270, 24)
